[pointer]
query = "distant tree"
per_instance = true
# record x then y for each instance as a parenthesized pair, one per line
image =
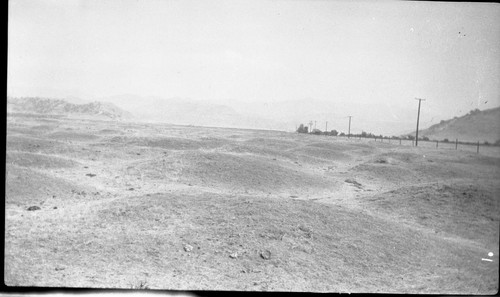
(486, 143)
(364, 134)
(497, 142)
(334, 132)
(425, 138)
(411, 137)
(303, 129)
(446, 140)
(316, 131)
(342, 134)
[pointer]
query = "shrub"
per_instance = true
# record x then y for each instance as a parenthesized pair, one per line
(303, 129)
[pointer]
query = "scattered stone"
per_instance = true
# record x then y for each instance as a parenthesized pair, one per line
(131, 189)
(354, 182)
(32, 208)
(55, 207)
(85, 167)
(293, 196)
(188, 248)
(60, 268)
(266, 255)
(234, 255)
(138, 154)
(381, 161)
(90, 174)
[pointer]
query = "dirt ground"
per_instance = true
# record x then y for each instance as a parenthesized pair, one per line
(101, 204)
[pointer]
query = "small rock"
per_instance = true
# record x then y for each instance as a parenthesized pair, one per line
(266, 255)
(60, 268)
(293, 196)
(352, 181)
(188, 248)
(234, 255)
(90, 174)
(131, 189)
(31, 208)
(55, 207)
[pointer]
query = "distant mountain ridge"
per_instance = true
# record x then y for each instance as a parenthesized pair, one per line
(187, 111)
(477, 125)
(37, 105)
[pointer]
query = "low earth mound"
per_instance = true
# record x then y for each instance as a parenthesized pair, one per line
(464, 210)
(25, 187)
(234, 172)
(215, 242)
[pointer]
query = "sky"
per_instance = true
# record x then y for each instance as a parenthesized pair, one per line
(259, 51)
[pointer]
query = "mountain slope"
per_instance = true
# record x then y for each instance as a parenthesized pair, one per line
(62, 107)
(186, 111)
(475, 126)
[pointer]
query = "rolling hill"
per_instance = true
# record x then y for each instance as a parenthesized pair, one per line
(96, 109)
(477, 125)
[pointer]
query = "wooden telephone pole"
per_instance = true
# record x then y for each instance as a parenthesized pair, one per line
(349, 131)
(418, 118)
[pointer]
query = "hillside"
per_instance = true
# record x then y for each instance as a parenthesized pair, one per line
(97, 110)
(477, 125)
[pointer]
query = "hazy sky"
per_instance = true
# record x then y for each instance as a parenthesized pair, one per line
(390, 52)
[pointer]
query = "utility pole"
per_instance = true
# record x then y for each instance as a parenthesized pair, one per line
(310, 126)
(314, 125)
(349, 133)
(326, 126)
(418, 117)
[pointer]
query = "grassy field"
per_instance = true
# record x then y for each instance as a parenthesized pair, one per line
(129, 205)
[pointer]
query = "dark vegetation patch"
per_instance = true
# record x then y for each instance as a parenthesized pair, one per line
(38, 160)
(272, 143)
(73, 136)
(109, 132)
(385, 172)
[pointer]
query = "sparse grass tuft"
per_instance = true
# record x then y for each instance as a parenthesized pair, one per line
(141, 285)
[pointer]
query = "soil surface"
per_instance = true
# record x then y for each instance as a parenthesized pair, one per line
(103, 204)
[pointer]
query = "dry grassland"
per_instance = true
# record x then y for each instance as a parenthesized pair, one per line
(166, 207)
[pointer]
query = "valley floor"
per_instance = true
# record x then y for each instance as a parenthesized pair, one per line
(131, 205)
